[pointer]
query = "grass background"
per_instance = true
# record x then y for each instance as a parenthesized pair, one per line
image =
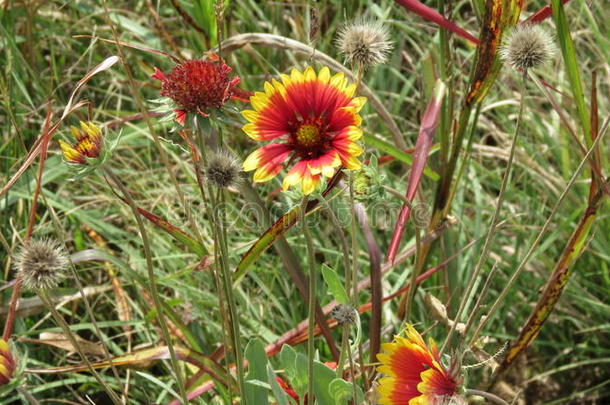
(41, 60)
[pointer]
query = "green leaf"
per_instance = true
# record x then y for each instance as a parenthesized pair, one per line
(334, 285)
(322, 378)
(255, 392)
(278, 392)
(343, 391)
(295, 365)
(265, 241)
(390, 149)
(174, 231)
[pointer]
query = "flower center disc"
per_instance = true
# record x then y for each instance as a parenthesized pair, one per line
(308, 135)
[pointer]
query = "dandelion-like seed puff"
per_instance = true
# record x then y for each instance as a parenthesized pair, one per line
(312, 120)
(41, 264)
(364, 43)
(527, 46)
(415, 373)
(222, 170)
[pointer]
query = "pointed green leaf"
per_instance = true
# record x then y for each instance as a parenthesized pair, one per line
(255, 393)
(334, 285)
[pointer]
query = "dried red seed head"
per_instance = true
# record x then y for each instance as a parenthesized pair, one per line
(198, 85)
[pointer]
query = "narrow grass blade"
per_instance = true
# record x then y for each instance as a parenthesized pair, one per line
(542, 14)
(554, 288)
(279, 228)
(174, 231)
(139, 358)
(500, 15)
(398, 154)
(375, 280)
(432, 15)
(420, 157)
(569, 57)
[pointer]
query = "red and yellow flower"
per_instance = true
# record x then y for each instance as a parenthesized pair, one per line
(312, 120)
(89, 143)
(415, 373)
(199, 85)
(7, 363)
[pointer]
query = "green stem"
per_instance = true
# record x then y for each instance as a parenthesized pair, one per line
(221, 237)
(492, 227)
(44, 297)
(312, 300)
(344, 346)
(153, 284)
(488, 396)
(535, 243)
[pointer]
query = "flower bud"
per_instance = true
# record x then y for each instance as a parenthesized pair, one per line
(7, 363)
(89, 143)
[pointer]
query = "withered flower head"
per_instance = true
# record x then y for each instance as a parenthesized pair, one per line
(527, 46)
(198, 86)
(364, 43)
(222, 170)
(41, 263)
(7, 363)
(344, 314)
(89, 143)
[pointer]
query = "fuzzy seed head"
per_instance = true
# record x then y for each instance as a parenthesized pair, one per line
(223, 170)
(364, 43)
(527, 46)
(344, 314)
(41, 263)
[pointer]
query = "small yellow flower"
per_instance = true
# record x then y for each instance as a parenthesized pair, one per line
(89, 143)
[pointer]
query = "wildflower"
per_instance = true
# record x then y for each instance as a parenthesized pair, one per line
(7, 363)
(198, 86)
(364, 43)
(287, 388)
(89, 143)
(344, 314)
(416, 375)
(315, 116)
(527, 46)
(222, 170)
(41, 264)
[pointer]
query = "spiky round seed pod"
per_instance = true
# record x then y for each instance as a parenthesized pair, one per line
(222, 170)
(344, 314)
(364, 43)
(527, 46)
(7, 363)
(41, 264)
(198, 85)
